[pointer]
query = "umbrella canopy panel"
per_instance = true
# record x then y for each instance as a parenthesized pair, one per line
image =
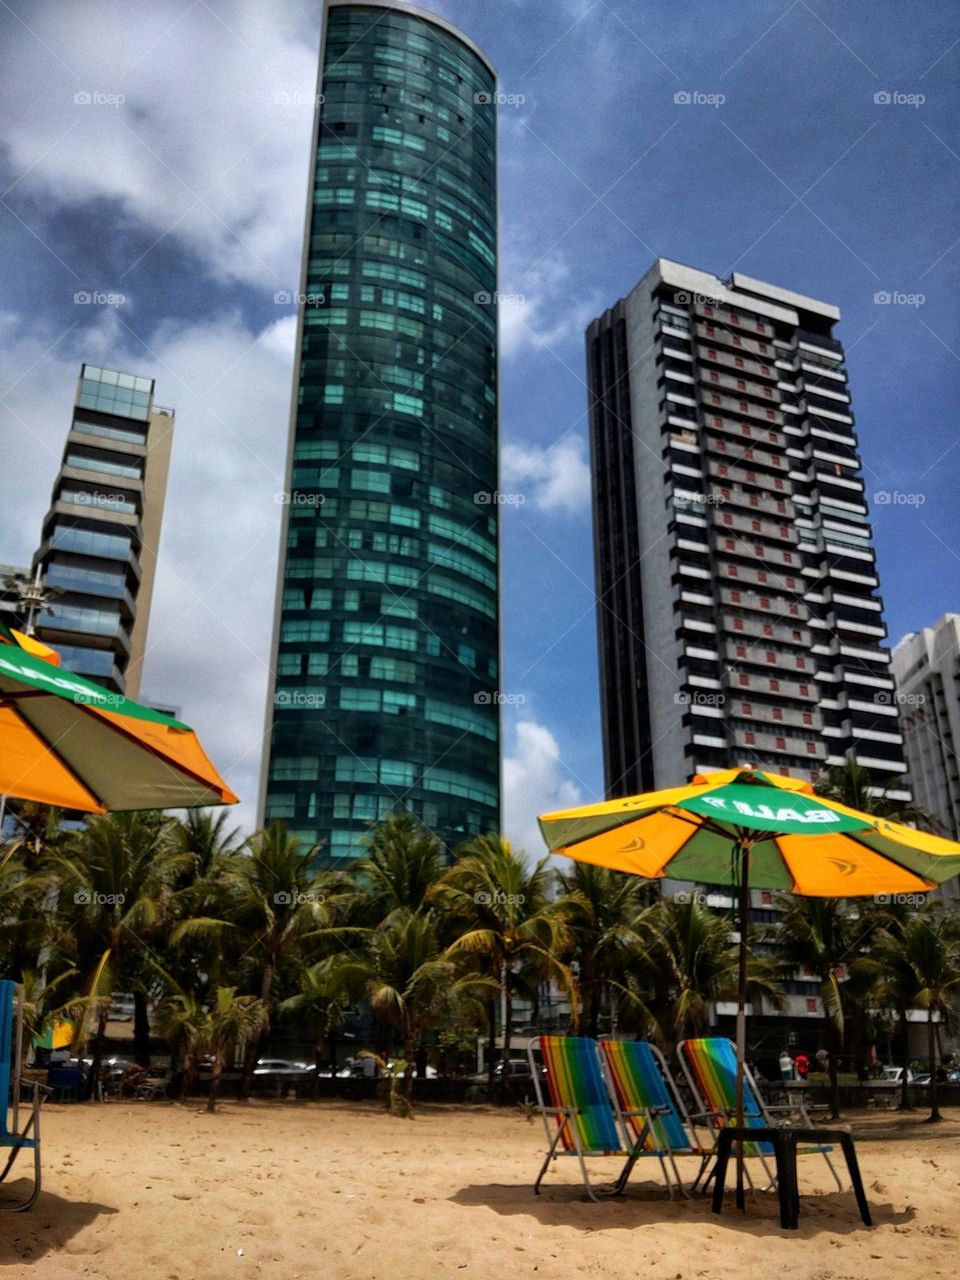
(68, 742)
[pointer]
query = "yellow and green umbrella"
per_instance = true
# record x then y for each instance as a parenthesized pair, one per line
(749, 829)
(67, 742)
(797, 842)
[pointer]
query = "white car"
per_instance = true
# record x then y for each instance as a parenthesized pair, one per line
(282, 1067)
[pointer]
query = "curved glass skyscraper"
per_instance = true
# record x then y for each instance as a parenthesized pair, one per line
(386, 644)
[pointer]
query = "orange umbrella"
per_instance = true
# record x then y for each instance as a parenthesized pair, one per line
(67, 742)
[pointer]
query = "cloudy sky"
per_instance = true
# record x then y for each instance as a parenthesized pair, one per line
(158, 153)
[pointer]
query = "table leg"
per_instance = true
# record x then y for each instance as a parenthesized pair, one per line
(853, 1168)
(720, 1170)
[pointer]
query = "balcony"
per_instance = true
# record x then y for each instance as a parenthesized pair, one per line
(777, 508)
(751, 326)
(755, 628)
(734, 429)
(739, 365)
(765, 602)
(740, 682)
(738, 385)
(770, 658)
(775, 716)
(737, 575)
(755, 526)
(716, 402)
(714, 335)
(779, 744)
(818, 340)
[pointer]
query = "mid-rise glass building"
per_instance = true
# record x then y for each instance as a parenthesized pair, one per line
(101, 534)
(386, 636)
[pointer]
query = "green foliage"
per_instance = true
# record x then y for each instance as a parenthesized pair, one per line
(187, 916)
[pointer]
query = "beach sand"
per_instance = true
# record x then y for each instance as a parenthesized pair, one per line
(151, 1191)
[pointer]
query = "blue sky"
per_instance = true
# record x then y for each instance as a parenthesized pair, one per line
(186, 196)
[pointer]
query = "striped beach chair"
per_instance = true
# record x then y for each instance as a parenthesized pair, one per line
(577, 1112)
(11, 1135)
(651, 1111)
(710, 1066)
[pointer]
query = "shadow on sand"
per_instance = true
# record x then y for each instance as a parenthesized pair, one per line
(46, 1228)
(646, 1205)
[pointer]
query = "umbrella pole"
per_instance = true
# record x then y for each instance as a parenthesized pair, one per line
(743, 855)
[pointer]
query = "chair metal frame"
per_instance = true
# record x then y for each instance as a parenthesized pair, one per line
(564, 1116)
(757, 1113)
(11, 1057)
(649, 1114)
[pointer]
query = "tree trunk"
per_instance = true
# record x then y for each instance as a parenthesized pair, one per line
(253, 1047)
(507, 1019)
(409, 1053)
(589, 999)
(96, 1056)
(141, 1030)
(215, 1081)
(833, 1067)
(492, 1033)
(904, 1037)
(934, 1115)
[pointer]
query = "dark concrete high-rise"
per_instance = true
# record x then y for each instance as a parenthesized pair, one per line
(101, 534)
(739, 617)
(386, 634)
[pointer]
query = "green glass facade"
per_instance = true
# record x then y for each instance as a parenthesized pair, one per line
(387, 632)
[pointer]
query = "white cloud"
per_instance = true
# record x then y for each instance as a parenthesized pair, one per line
(557, 476)
(533, 784)
(208, 644)
(210, 142)
(539, 307)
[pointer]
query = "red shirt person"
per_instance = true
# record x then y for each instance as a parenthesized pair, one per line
(802, 1064)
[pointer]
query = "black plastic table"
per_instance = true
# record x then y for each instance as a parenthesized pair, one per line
(785, 1143)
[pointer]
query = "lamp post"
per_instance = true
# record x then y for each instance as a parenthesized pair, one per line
(33, 595)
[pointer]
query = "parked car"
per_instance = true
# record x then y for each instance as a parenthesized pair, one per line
(517, 1069)
(121, 1007)
(894, 1075)
(282, 1067)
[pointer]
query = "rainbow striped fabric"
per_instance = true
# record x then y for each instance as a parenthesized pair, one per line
(575, 1082)
(640, 1079)
(711, 1066)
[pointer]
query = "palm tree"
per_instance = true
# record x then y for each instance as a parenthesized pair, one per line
(181, 1022)
(918, 960)
(407, 978)
(404, 860)
(272, 901)
(323, 1000)
(852, 785)
(232, 1020)
(825, 936)
(602, 908)
(116, 884)
(206, 836)
(502, 906)
(687, 961)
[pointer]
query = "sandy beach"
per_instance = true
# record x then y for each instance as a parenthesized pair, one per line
(158, 1192)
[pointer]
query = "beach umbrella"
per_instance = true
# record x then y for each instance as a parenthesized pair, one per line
(749, 829)
(67, 742)
(59, 1035)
